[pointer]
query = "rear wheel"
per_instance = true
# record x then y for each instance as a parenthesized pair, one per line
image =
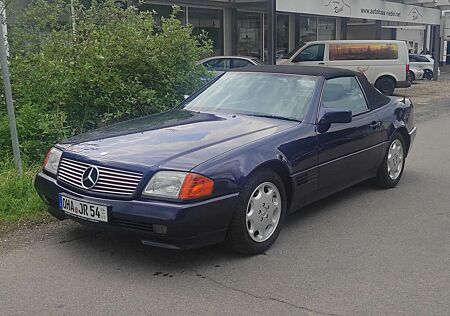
(412, 77)
(428, 74)
(391, 170)
(259, 215)
(386, 85)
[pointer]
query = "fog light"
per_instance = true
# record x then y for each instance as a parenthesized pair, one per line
(160, 229)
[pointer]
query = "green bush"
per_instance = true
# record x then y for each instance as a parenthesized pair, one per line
(117, 65)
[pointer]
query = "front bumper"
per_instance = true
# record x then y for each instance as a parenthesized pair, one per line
(189, 225)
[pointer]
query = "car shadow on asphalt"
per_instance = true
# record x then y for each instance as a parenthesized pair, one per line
(128, 249)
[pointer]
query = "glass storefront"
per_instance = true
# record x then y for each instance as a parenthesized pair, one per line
(251, 28)
(209, 21)
(282, 35)
(312, 28)
(249, 31)
(326, 29)
(306, 29)
(163, 11)
(361, 29)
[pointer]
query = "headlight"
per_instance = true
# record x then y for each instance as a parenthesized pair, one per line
(179, 185)
(51, 161)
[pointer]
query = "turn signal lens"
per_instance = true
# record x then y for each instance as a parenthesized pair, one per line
(196, 186)
(51, 161)
(178, 185)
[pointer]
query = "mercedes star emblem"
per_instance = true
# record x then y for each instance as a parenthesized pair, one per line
(90, 177)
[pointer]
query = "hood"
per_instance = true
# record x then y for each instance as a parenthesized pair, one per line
(178, 139)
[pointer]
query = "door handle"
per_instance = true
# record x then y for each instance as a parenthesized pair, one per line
(321, 63)
(375, 125)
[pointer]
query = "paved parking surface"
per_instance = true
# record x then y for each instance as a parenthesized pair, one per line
(362, 252)
(425, 93)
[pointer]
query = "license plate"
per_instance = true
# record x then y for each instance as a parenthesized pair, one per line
(84, 210)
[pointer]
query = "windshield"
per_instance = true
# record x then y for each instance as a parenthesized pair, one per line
(292, 52)
(262, 94)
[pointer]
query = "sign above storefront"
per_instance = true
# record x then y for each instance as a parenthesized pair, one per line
(363, 9)
(447, 27)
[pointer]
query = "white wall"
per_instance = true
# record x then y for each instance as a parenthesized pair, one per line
(413, 38)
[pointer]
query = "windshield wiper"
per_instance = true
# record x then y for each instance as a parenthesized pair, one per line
(270, 116)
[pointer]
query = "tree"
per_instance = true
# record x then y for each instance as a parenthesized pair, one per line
(118, 65)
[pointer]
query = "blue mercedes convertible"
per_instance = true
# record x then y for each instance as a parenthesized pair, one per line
(233, 160)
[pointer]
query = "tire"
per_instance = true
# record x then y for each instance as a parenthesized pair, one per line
(428, 74)
(386, 85)
(390, 172)
(412, 77)
(251, 214)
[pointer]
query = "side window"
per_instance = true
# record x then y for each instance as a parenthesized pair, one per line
(239, 63)
(311, 53)
(219, 64)
(344, 93)
(412, 59)
(422, 59)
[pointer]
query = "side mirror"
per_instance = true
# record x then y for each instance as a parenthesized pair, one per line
(332, 116)
(186, 96)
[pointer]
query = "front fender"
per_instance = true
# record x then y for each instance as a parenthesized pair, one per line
(232, 171)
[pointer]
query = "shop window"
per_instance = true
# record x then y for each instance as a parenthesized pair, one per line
(209, 21)
(249, 34)
(361, 29)
(306, 29)
(163, 11)
(282, 35)
(326, 29)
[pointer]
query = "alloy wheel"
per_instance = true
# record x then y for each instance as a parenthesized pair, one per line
(395, 159)
(263, 212)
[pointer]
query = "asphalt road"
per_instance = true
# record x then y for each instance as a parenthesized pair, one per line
(362, 252)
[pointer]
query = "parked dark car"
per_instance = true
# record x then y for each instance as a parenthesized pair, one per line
(233, 160)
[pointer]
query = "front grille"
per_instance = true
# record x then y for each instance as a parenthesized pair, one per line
(110, 181)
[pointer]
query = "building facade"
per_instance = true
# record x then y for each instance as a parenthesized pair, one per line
(268, 29)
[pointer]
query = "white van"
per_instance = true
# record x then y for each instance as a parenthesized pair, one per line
(385, 63)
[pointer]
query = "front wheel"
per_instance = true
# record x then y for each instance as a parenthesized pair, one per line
(259, 215)
(391, 170)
